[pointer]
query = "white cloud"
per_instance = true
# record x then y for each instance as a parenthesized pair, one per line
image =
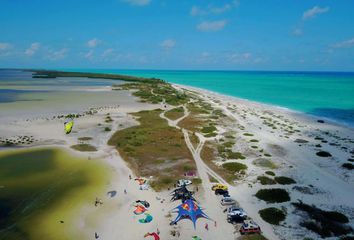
(32, 49)
(93, 43)
(345, 44)
(245, 57)
(297, 32)
(211, 9)
(89, 54)
(108, 52)
(138, 2)
(211, 26)
(310, 13)
(168, 44)
(5, 46)
(57, 55)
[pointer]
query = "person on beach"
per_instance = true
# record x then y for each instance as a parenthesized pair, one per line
(207, 227)
(214, 223)
(97, 236)
(130, 177)
(125, 191)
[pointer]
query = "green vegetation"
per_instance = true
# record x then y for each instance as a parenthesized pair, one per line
(273, 195)
(270, 173)
(175, 113)
(197, 181)
(107, 129)
(324, 223)
(272, 215)
(266, 163)
(348, 166)
(234, 167)
(252, 237)
(284, 180)
(266, 180)
(55, 74)
(84, 138)
(248, 134)
(154, 149)
(83, 147)
(41, 187)
(323, 154)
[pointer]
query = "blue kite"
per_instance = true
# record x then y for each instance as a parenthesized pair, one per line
(188, 209)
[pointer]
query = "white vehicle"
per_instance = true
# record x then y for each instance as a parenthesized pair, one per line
(227, 201)
(183, 182)
(236, 211)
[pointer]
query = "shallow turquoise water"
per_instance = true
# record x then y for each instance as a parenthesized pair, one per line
(327, 94)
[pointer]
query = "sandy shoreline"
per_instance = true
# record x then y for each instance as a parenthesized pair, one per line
(115, 219)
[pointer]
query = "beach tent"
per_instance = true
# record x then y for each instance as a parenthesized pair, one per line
(141, 181)
(155, 235)
(188, 209)
(148, 218)
(68, 125)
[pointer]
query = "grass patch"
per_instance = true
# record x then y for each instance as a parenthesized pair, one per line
(84, 138)
(175, 113)
(266, 180)
(197, 181)
(284, 180)
(272, 215)
(248, 134)
(265, 163)
(324, 223)
(273, 195)
(43, 187)
(84, 147)
(234, 167)
(147, 145)
(252, 237)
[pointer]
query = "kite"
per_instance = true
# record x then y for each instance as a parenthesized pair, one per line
(68, 125)
(148, 218)
(188, 209)
(155, 235)
(139, 209)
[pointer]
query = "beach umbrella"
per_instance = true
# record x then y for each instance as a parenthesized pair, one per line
(189, 209)
(68, 125)
(148, 218)
(155, 235)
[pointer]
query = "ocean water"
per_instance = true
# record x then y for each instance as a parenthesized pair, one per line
(324, 94)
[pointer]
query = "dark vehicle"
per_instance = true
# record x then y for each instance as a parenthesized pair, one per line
(234, 219)
(221, 192)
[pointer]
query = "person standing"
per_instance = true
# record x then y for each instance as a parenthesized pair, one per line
(207, 227)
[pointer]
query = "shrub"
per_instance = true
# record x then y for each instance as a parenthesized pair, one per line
(323, 154)
(273, 195)
(272, 215)
(84, 147)
(234, 167)
(284, 180)
(348, 166)
(270, 173)
(197, 181)
(266, 180)
(107, 129)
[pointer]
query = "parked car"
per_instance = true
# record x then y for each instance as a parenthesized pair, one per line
(234, 219)
(221, 192)
(183, 182)
(227, 201)
(236, 211)
(249, 227)
(219, 186)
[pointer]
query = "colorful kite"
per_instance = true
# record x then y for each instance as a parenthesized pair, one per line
(148, 218)
(188, 209)
(155, 235)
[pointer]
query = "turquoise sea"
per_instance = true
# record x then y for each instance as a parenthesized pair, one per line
(324, 94)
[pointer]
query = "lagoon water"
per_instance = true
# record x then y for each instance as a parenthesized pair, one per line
(324, 94)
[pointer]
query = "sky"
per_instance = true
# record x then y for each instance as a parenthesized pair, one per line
(301, 35)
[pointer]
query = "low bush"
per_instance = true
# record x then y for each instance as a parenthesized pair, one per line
(348, 166)
(284, 180)
(273, 195)
(272, 215)
(270, 173)
(323, 154)
(266, 180)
